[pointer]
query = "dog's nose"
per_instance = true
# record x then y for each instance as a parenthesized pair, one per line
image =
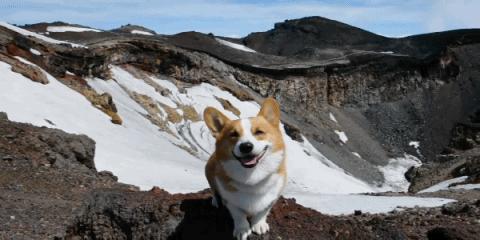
(246, 147)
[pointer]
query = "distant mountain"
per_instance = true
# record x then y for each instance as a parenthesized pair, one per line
(322, 38)
(134, 29)
(292, 37)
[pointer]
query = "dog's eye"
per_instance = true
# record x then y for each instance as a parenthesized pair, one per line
(234, 134)
(259, 132)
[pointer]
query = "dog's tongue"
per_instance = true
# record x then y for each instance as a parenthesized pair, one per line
(251, 161)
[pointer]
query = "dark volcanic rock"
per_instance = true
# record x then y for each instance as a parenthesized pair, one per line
(292, 36)
(45, 176)
(159, 215)
(46, 146)
(446, 233)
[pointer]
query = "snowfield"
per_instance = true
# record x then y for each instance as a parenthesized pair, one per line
(348, 203)
(141, 32)
(235, 45)
(173, 156)
(70, 29)
(394, 172)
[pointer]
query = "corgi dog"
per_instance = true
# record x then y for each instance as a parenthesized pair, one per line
(247, 171)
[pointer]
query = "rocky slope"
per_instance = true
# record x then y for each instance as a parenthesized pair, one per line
(49, 189)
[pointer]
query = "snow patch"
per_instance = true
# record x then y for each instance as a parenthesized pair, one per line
(35, 52)
(342, 136)
(356, 154)
(70, 29)
(332, 117)
(347, 204)
(467, 186)
(38, 36)
(235, 45)
(141, 32)
(415, 144)
(394, 172)
(444, 185)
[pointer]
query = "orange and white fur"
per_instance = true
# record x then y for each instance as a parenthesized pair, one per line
(247, 171)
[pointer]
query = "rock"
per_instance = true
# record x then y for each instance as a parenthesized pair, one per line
(47, 146)
(410, 174)
(455, 208)
(446, 233)
(3, 116)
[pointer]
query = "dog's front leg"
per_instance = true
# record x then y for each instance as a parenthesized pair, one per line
(241, 227)
(259, 222)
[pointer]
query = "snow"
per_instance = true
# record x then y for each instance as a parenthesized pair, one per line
(356, 154)
(347, 204)
(138, 153)
(141, 32)
(394, 172)
(23, 60)
(38, 36)
(332, 117)
(235, 45)
(414, 144)
(342, 136)
(70, 29)
(36, 52)
(467, 186)
(444, 185)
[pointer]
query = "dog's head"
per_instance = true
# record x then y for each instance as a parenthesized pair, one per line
(248, 141)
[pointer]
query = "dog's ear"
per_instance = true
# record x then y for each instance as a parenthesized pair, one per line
(271, 111)
(215, 120)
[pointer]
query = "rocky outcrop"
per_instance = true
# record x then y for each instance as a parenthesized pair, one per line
(45, 176)
(160, 215)
(43, 146)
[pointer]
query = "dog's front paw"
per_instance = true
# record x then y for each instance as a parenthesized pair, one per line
(261, 227)
(242, 233)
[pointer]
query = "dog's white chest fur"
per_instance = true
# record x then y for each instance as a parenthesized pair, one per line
(254, 198)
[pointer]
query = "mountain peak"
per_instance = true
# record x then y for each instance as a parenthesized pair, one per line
(293, 36)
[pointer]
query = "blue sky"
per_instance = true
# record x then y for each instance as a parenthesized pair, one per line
(237, 18)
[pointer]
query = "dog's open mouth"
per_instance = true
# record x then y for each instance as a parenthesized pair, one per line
(250, 161)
